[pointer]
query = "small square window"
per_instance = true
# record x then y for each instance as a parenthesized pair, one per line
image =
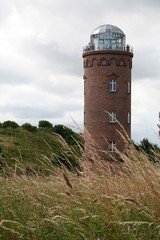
(112, 85)
(129, 87)
(129, 117)
(112, 146)
(112, 117)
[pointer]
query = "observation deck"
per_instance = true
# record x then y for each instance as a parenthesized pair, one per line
(107, 37)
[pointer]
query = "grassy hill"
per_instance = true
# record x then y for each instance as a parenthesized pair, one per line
(19, 146)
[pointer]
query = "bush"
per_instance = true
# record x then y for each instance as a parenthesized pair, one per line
(29, 127)
(45, 124)
(149, 148)
(68, 134)
(10, 124)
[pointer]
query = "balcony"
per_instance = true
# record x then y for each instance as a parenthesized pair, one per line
(92, 47)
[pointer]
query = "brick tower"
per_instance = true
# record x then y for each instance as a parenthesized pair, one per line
(107, 89)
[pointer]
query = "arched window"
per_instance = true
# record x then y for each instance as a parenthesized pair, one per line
(129, 63)
(113, 61)
(94, 62)
(121, 62)
(103, 62)
(87, 63)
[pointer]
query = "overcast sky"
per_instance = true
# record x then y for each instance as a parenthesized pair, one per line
(41, 43)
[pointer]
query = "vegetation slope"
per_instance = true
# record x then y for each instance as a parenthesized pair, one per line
(30, 147)
(102, 200)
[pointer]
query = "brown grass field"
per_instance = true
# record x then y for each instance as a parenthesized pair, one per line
(106, 200)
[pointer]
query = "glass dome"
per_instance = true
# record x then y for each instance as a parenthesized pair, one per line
(107, 37)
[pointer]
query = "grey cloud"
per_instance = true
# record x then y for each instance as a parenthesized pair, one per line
(60, 62)
(96, 5)
(6, 8)
(146, 63)
(50, 110)
(96, 8)
(129, 7)
(35, 112)
(69, 90)
(13, 76)
(85, 14)
(149, 131)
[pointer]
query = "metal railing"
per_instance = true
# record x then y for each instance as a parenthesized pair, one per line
(90, 47)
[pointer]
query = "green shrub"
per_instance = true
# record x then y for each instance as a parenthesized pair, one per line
(45, 124)
(151, 150)
(68, 134)
(10, 124)
(29, 127)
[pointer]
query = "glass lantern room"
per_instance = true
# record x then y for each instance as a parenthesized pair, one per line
(107, 37)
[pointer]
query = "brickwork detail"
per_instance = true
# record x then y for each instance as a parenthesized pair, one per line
(94, 62)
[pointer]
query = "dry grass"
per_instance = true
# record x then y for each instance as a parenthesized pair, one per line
(107, 200)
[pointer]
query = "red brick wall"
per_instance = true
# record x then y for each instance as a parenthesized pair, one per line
(98, 100)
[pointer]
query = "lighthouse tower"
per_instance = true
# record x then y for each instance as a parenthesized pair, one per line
(107, 89)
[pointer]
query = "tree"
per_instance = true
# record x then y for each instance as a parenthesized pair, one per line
(149, 148)
(45, 124)
(29, 127)
(10, 124)
(68, 134)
